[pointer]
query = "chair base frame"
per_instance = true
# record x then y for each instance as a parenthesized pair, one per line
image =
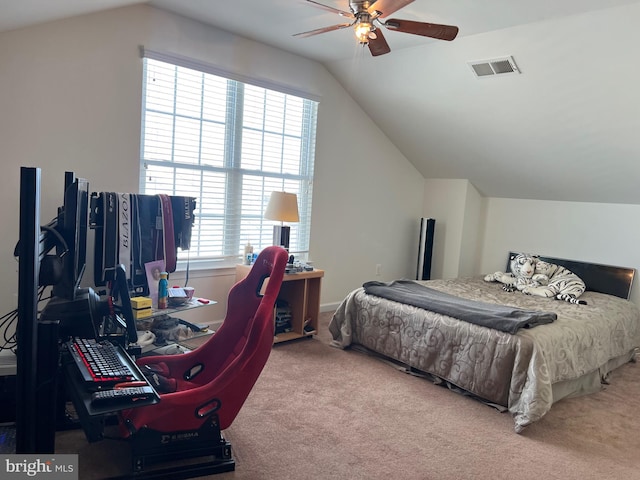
(151, 447)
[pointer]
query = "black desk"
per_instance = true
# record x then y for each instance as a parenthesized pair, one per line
(54, 379)
(91, 418)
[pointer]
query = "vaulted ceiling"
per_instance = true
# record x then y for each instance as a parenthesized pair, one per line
(564, 128)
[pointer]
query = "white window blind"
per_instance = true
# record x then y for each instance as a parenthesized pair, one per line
(229, 144)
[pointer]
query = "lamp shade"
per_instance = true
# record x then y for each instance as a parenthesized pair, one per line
(282, 207)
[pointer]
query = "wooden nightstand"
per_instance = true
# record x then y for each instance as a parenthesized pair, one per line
(302, 292)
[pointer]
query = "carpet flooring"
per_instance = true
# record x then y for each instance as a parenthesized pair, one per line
(318, 412)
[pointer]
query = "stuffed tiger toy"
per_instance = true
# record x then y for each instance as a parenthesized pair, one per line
(533, 276)
(522, 274)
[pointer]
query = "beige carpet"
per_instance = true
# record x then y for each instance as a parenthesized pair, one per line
(318, 412)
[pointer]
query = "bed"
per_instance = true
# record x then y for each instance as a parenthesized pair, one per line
(523, 372)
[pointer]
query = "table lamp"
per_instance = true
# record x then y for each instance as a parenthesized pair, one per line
(282, 207)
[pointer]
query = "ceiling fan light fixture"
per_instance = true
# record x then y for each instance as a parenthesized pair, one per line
(367, 23)
(362, 31)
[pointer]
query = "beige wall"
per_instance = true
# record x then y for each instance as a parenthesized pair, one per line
(591, 232)
(457, 208)
(474, 234)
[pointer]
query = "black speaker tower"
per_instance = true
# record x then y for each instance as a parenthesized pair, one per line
(425, 248)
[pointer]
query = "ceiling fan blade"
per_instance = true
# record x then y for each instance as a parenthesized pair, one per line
(342, 13)
(378, 45)
(387, 7)
(433, 30)
(322, 30)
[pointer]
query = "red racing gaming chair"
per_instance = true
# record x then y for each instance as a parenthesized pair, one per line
(211, 383)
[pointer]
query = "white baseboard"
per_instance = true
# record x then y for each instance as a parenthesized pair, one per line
(329, 307)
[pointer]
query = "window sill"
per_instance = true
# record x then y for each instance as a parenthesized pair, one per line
(206, 268)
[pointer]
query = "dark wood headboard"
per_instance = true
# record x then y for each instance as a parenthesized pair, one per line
(607, 279)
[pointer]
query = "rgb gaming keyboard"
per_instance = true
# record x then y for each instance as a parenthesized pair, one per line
(101, 363)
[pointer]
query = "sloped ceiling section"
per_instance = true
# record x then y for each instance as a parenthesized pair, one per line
(566, 128)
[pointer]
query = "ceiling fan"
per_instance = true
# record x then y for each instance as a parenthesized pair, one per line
(368, 16)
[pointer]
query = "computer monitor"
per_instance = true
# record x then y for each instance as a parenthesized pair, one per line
(79, 311)
(66, 234)
(72, 224)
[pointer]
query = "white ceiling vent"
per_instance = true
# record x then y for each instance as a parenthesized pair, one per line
(493, 67)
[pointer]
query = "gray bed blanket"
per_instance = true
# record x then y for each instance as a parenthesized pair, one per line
(500, 317)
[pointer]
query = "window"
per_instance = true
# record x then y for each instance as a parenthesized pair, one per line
(229, 144)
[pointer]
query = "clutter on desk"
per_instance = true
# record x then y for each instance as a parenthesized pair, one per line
(163, 291)
(170, 329)
(189, 291)
(297, 267)
(247, 259)
(146, 338)
(141, 307)
(165, 329)
(177, 296)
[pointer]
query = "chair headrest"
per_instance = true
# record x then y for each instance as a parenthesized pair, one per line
(271, 263)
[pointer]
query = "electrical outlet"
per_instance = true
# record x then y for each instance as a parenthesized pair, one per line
(378, 269)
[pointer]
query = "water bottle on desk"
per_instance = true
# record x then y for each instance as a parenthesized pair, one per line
(163, 291)
(248, 254)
